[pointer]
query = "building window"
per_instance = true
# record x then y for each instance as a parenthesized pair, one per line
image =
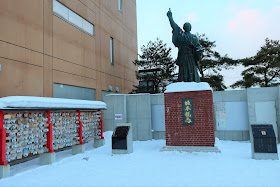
(120, 5)
(73, 92)
(71, 17)
(112, 50)
(147, 86)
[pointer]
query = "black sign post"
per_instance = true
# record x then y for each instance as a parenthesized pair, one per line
(264, 140)
(122, 139)
(119, 137)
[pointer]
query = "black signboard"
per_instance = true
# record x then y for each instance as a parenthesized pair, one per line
(119, 140)
(264, 139)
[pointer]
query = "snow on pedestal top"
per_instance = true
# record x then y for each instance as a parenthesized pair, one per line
(28, 102)
(187, 87)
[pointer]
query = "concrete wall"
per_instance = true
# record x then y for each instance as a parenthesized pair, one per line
(230, 132)
(134, 109)
(116, 104)
(239, 112)
(230, 96)
(257, 96)
(251, 96)
(38, 49)
(139, 115)
(157, 100)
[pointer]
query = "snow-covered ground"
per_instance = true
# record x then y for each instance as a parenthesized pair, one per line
(147, 166)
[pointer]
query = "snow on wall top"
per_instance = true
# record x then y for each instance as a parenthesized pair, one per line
(29, 102)
(2, 105)
(187, 86)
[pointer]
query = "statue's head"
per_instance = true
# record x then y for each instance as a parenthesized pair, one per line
(187, 27)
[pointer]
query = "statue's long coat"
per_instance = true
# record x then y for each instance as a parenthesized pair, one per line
(188, 58)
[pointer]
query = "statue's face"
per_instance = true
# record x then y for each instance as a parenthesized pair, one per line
(187, 27)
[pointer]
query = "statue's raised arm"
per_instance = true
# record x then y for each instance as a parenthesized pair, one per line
(176, 32)
(172, 23)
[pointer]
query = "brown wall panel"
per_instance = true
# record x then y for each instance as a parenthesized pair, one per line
(102, 81)
(48, 76)
(96, 2)
(14, 52)
(105, 22)
(104, 35)
(111, 9)
(98, 91)
(22, 23)
(120, 85)
(107, 80)
(72, 44)
(125, 18)
(129, 17)
(90, 4)
(117, 34)
(105, 60)
(119, 63)
(112, 81)
(67, 41)
(89, 51)
(20, 79)
(130, 42)
(129, 58)
(48, 18)
(73, 80)
(129, 75)
(128, 86)
(74, 69)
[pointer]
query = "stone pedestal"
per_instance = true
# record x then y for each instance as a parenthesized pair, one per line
(77, 149)
(191, 149)
(265, 156)
(4, 171)
(98, 143)
(46, 158)
(189, 118)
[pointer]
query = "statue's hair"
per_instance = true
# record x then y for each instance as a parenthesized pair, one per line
(185, 26)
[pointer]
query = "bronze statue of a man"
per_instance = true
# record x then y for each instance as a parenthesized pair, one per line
(189, 51)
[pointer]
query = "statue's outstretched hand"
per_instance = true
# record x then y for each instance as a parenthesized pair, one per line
(169, 13)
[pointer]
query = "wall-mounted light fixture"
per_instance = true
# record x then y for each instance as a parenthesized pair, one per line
(110, 88)
(117, 89)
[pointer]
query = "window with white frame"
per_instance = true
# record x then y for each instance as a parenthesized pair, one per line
(120, 5)
(112, 50)
(71, 17)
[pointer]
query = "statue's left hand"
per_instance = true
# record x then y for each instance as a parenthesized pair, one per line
(169, 13)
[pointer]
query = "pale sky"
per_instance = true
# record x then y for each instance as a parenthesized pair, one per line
(239, 27)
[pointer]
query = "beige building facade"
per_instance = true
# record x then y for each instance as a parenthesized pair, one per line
(67, 48)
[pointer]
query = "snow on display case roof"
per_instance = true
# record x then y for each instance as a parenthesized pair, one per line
(29, 102)
(187, 87)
